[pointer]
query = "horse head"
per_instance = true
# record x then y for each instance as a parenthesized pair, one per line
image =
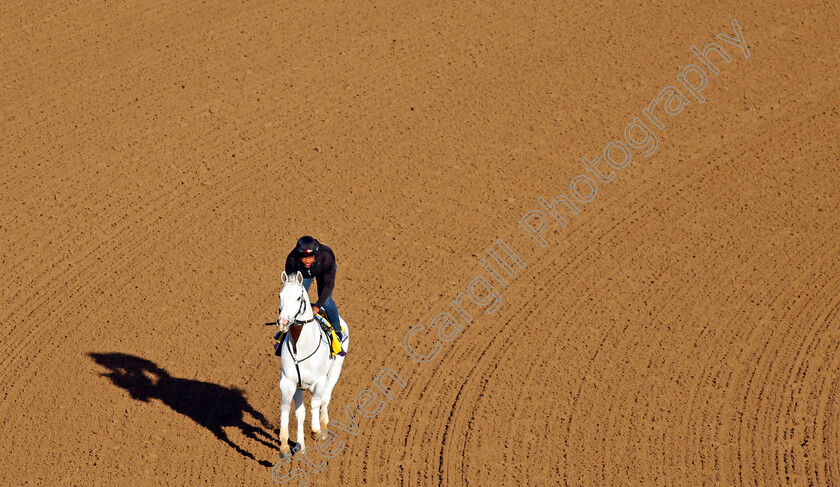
(294, 302)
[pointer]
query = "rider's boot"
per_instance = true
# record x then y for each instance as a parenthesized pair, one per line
(337, 331)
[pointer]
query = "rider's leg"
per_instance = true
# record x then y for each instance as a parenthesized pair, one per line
(307, 281)
(330, 309)
(332, 314)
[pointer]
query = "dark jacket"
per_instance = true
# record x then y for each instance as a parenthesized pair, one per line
(323, 271)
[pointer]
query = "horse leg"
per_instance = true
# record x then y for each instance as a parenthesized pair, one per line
(287, 391)
(325, 402)
(315, 404)
(300, 414)
(332, 379)
(325, 417)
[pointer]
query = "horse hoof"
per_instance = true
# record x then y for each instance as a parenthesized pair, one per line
(285, 454)
(315, 434)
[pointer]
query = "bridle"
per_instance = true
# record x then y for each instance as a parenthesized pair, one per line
(301, 310)
(297, 322)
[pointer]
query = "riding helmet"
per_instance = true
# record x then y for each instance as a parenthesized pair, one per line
(306, 246)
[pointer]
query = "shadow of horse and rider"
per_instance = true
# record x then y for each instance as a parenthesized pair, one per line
(210, 405)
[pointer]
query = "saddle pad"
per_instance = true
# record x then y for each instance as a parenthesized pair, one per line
(335, 345)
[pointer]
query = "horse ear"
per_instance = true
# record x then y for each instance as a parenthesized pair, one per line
(284, 277)
(299, 277)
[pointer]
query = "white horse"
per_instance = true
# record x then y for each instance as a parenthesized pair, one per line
(305, 365)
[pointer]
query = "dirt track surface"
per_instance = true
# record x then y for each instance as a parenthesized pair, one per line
(161, 158)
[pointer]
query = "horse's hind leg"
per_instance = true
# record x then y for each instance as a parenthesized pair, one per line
(300, 414)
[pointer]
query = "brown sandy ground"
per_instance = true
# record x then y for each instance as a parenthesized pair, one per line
(160, 158)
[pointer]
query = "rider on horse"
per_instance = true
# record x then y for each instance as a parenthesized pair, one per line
(315, 260)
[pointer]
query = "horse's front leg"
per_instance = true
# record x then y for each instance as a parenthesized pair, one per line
(287, 391)
(332, 379)
(300, 414)
(316, 404)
